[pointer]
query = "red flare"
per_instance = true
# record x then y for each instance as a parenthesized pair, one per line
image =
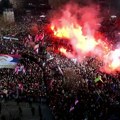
(84, 39)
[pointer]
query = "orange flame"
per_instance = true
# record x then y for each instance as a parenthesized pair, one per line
(63, 50)
(83, 41)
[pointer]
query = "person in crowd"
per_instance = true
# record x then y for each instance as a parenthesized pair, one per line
(0, 107)
(33, 111)
(40, 112)
(20, 111)
(69, 86)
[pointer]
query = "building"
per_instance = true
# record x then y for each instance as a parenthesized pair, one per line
(8, 15)
(17, 3)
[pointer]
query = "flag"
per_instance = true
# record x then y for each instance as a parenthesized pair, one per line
(74, 60)
(71, 109)
(9, 38)
(21, 68)
(39, 37)
(99, 96)
(98, 79)
(20, 86)
(49, 57)
(16, 70)
(76, 102)
(9, 61)
(24, 71)
(60, 70)
(30, 37)
(36, 48)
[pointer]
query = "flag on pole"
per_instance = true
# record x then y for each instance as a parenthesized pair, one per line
(49, 57)
(60, 70)
(36, 48)
(98, 79)
(71, 108)
(39, 37)
(76, 102)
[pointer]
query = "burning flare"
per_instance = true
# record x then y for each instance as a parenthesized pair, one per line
(80, 33)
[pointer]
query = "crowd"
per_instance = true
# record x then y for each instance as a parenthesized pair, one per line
(69, 86)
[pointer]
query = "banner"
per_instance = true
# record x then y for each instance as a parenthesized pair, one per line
(9, 38)
(9, 61)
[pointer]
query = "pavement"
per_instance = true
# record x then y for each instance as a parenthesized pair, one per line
(11, 110)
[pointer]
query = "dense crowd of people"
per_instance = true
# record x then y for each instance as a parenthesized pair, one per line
(69, 86)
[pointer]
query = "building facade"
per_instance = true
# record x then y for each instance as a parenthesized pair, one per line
(17, 3)
(8, 15)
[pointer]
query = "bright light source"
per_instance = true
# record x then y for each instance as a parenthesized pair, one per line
(42, 16)
(113, 16)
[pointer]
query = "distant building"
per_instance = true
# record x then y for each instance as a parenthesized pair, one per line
(8, 15)
(17, 3)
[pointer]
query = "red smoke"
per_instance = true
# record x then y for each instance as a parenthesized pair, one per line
(79, 26)
(34, 29)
